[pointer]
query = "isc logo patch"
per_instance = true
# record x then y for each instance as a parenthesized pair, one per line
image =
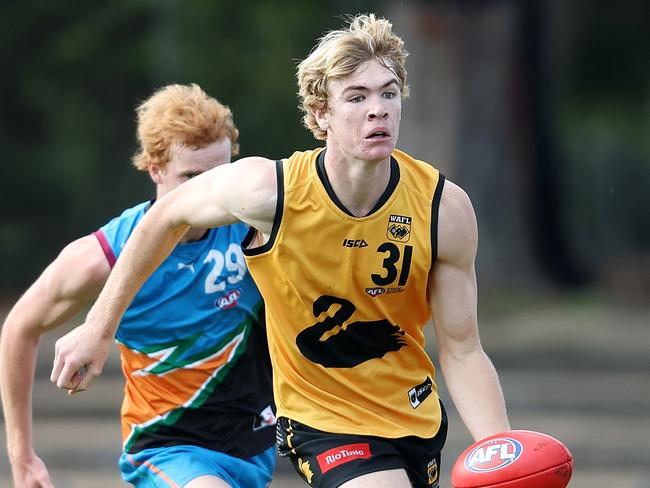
(354, 243)
(399, 228)
(419, 393)
(493, 454)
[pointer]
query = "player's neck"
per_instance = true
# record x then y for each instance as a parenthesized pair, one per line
(358, 183)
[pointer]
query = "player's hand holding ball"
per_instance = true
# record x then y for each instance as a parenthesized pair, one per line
(514, 459)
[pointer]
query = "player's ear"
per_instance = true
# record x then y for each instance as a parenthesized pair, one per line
(155, 172)
(322, 119)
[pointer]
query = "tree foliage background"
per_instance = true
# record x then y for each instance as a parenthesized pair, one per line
(74, 71)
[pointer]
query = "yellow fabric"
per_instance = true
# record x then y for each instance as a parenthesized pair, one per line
(321, 251)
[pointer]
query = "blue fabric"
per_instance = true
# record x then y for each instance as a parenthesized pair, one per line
(201, 283)
(194, 349)
(177, 465)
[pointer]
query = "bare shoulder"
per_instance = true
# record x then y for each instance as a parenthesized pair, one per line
(244, 191)
(457, 227)
(80, 270)
(255, 184)
(255, 172)
(70, 282)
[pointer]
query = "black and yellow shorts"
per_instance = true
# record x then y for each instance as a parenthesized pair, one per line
(327, 460)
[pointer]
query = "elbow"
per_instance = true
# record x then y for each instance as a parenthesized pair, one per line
(18, 332)
(460, 353)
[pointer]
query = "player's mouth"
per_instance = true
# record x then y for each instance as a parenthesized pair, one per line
(378, 134)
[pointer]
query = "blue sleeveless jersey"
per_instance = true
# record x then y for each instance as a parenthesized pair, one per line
(193, 347)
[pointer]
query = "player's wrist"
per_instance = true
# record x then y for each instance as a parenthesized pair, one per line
(20, 453)
(100, 326)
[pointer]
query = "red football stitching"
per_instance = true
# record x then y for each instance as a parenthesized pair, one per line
(541, 445)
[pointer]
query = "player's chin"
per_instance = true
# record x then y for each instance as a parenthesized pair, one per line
(378, 150)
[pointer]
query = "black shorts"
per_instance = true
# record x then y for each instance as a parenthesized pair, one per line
(327, 460)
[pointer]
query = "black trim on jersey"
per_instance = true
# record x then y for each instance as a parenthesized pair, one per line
(435, 208)
(392, 183)
(279, 205)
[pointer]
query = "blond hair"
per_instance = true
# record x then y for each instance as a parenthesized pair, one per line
(339, 53)
(180, 116)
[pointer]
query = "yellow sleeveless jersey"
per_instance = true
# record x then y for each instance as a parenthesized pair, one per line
(346, 301)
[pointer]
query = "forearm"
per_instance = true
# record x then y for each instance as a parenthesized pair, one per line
(476, 391)
(470, 375)
(18, 353)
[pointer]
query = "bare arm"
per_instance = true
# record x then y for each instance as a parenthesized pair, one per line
(245, 190)
(470, 375)
(68, 284)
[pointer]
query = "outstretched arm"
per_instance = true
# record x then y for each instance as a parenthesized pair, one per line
(469, 373)
(71, 282)
(245, 190)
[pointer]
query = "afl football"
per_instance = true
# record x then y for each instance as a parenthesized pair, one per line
(514, 459)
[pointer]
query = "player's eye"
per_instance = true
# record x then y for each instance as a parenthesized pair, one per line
(357, 98)
(390, 94)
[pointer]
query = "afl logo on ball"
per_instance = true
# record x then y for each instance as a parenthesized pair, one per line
(493, 454)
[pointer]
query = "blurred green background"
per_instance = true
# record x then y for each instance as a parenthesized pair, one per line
(539, 109)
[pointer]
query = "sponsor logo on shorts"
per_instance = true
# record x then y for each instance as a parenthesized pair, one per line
(419, 393)
(229, 300)
(341, 455)
(432, 473)
(493, 454)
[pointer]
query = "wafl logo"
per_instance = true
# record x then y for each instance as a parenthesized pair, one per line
(399, 228)
(229, 300)
(493, 454)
